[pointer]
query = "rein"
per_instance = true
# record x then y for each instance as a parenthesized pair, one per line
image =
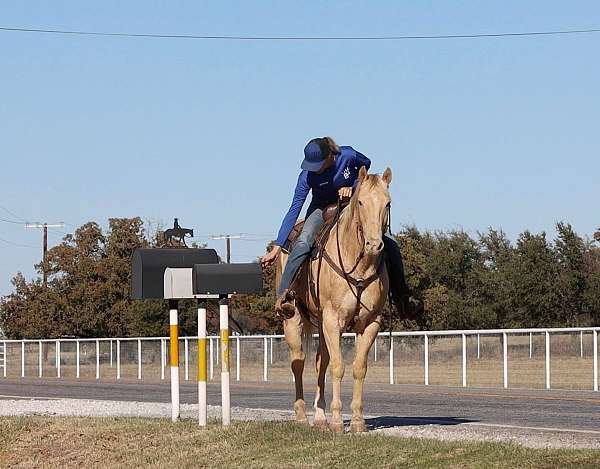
(359, 283)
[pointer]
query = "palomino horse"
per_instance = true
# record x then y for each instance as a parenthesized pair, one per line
(348, 290)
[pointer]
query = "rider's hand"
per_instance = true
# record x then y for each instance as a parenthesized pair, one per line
(345, 192)
(270, 257)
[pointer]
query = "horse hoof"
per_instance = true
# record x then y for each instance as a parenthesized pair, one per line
(358, 427)
(337, 427)
(321, 424)
(303, 422)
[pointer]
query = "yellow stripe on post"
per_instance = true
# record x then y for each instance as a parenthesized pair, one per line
(202, 375)
(225, 349)
(174, 345)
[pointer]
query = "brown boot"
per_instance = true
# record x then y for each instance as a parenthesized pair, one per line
(285, 307)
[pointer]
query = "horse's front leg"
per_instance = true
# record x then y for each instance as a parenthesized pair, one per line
(364, 341)
(293, 336)
(322, 361)
(332, 332)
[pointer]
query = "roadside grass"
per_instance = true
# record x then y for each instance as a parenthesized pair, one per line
(119, 442)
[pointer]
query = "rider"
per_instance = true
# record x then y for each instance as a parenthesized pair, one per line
(330, 172)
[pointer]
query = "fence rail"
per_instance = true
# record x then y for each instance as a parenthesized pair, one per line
(554, 358)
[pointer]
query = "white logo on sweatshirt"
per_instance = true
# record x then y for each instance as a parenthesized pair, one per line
(346, 173)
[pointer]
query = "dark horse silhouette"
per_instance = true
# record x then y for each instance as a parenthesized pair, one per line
(177, 233)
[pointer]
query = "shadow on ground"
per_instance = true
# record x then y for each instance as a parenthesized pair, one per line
(387, 421)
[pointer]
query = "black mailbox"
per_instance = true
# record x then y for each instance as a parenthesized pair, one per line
(148, 268)
(223, 279)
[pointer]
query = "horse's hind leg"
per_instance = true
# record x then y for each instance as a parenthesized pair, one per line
(293, 335)
(364, 341)
(322, 362)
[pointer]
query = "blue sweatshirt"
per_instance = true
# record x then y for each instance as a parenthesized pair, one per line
(344, 173)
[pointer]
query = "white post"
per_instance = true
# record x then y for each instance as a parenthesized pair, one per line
(202, 408)
(58, 358)
(464, 361)
(271, 350)
(478, 346)
(547, 360)
(174, 359)
(505, 358)
(375, 348)
(118, 359)
(77, 356)
(581, 344)
(211, 358)
(139, 354)
(186, 356)
(56, 354)
(265, 361)
(97, 359)
(22, 359)
(426, 353)
(217, 356)
(391, 359)
(40, 359)
(5, 355)
(595, 354)
(224, 326)
(237, 358)
(162, 359)
(111, 353)
(530, 345)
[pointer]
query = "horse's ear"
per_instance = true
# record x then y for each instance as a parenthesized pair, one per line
(362, 174)
(387, 176)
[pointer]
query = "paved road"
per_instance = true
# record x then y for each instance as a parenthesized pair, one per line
(397, 404)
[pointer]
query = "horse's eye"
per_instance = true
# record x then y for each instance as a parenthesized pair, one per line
(360, 203)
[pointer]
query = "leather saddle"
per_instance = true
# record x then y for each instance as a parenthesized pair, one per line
(329, 216)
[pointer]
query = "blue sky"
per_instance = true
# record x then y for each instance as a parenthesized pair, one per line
(500, 132)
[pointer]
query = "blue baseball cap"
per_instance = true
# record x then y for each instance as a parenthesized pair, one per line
(313, 156)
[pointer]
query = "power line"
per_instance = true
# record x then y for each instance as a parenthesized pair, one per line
(12, 214)
(12, 243)
(6, 220)
(298, 38)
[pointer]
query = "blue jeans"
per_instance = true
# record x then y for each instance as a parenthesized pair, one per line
(301, 249)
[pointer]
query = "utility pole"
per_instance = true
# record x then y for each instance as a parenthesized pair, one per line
(45, 227)
(228, 238)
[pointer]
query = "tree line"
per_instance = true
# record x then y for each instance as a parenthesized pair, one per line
(465, 282)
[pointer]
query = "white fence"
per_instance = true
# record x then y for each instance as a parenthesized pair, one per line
(2, 357)
(557, 358)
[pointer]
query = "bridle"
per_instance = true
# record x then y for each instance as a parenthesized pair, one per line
(360, 284)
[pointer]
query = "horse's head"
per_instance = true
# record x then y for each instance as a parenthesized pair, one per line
(370, 203)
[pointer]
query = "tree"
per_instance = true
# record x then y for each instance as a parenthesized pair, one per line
(533, 272)
(572, 278)
(464, 282)
(497, 254)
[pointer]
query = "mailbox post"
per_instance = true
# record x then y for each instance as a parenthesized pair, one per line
(221, 280)
(177, 273)
(166, 273)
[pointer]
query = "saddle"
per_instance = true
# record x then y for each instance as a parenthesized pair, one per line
(329, 216)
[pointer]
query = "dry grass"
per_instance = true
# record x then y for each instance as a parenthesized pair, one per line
(110, 442)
